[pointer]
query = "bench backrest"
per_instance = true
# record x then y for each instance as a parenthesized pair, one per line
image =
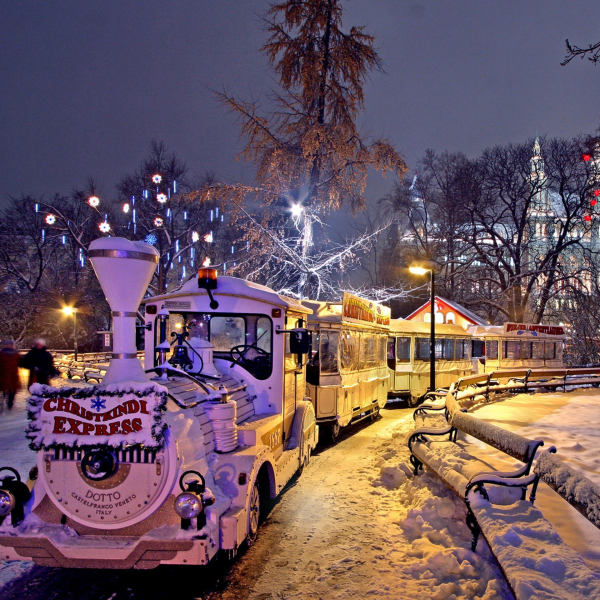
(583, 371)
(471, 380)
(545, 373)
(509, 374)
(508, 442)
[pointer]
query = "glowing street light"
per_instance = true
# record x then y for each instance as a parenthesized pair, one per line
(68, 311)
(296, 210)
(422, 268)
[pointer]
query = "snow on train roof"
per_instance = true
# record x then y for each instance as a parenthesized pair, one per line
(406, 326)
(233, 286)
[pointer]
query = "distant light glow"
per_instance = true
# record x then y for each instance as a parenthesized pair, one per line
(586, 157)
(208, 238)
(594, 202)
(195, 236)
(588, 217)
(104, 227)
(206, 262)
(93, 201)
(50, 219)
(157, 179)
(126, 208)
(158, 222)
(296, 210)
(162, 198)
(418, 270)
(596, 192)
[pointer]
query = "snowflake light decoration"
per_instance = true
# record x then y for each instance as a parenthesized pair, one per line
(93, 201)
(208, 238)
(50, 219)
(98, 404)
(158, 222)
(126, 208)
(162, 198)
(104, 227)
(157, 179)
(195, 236)
(151, 239)
(206, 262)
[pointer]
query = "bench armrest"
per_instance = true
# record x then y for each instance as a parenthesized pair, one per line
(418, 434)
(426, 407)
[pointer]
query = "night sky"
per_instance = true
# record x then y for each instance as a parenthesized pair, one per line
(86, 85)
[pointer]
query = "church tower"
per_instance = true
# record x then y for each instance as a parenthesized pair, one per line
(541, 201)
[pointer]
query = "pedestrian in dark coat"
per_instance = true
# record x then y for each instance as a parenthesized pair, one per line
(10, 382)
(40, 363)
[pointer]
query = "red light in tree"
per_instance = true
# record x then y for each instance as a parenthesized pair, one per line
(593, 202)
(588, 217)
(586, 157)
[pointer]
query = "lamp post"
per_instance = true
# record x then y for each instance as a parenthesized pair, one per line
(422, 269)
(71, 310)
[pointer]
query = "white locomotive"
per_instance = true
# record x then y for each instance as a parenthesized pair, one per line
(172, 464)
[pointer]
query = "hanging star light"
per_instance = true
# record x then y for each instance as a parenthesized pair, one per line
(50, 219)
(126, 208)
(157, 179)
(162, 198)
(104, 227)
(195, 236)
(93, 201)
(206, 262)
(158, 222)
(208, 238)
(151, 239)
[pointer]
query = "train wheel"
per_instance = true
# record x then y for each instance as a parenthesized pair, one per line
(305, 462)
(254, 513)
(334, 432)
(375, 414)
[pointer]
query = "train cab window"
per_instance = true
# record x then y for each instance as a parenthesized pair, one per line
(478, 348)
(328, 352)
(491, 349)
(537, 350)
(245, 340)
(422, 349)
(448, 349)
(403, 349)
(526, 350)
(550, 351)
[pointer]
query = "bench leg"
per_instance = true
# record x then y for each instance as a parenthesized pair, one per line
(416, 463)
(473, 528)
(534, 490)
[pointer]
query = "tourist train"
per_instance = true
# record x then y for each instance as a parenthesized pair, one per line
(172, 462)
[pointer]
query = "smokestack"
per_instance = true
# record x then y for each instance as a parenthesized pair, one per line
(124, 269)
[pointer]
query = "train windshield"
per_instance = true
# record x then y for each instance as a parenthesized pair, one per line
(246, 340)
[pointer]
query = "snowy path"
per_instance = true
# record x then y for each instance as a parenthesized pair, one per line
(354, 525)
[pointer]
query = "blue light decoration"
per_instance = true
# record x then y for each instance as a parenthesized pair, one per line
(133, 215)
(192, 253)
(192, 263)
(176, 245)
(145, 194)
(174, 187)
(37, 207)
(224, 267)
(247, 246)
(64, 239)
(81, 257)
(151, 239)
(217, 211)
(212, 215)
(169, 193)
(232, 249)
(183, 272)
(185, 215)
(98, 404)
(43, 234)
(168, 212)
(222, 218)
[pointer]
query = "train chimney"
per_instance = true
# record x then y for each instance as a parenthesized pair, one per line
(124, 269)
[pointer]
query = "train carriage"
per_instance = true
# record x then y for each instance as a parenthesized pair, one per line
(408, 357)
(347, 379)
(517, 345)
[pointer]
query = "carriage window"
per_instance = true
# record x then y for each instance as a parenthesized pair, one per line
(448, 349)
(467, 349)
(382, 350)
(537, 350)
(438, 348)
(328, 352)
(403, 349)
(422, 349)
(460, 349)
(491, 349)
(550, 351)
(370, 350)
(478, 348)
(511, 350)
(227, 332)
(525, 350)
(348, 351)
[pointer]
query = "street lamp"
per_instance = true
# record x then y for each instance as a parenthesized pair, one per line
(71, 310)
(422, 268)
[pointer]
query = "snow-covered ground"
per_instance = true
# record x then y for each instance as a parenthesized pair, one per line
(357, 523)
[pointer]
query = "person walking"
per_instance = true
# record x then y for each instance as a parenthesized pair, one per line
(10, 382)
(40, 364)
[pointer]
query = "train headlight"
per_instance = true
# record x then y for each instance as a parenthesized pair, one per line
(7, 503)
(188, 505)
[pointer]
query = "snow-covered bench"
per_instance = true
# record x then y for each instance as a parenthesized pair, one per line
(463, 472)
